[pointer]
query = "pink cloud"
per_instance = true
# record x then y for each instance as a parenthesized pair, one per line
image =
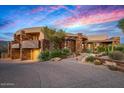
(13, 24)
(103, 17)
(92, 19)
(51, 9)
(73, 12)
(48, 9)
(1, 39)
(78, 6)
(38, 9)
(54, 8)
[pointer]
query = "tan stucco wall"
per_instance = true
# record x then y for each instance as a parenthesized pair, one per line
(32, 30)
(30, 44)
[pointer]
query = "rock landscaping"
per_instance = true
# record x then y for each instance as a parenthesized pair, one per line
(113, 58)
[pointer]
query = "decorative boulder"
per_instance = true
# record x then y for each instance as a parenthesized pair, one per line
(110, 63)
(113, 68)
(93, 55)
(98, 62)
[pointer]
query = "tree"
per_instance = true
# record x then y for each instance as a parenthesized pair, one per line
(59, 38)
(121, 24)
(56, 37)
(49, 33)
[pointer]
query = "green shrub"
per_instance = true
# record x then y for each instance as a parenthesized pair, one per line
(47, 55)
(116, 55)
(120, 48)
(101, 49)
(89, 50)
(44, 56)
(60, 53)
(55, 53)
(104, 53)
(65, 52)
(106, 49)
(90, 59)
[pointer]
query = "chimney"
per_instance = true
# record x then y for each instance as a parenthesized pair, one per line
(79, 35)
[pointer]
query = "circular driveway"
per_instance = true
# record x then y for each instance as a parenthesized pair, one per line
(63, 74)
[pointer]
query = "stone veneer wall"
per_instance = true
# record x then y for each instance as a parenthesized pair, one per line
(79, 43)
(15, 54)
(26, 54)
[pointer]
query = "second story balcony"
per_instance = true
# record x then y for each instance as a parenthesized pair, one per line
(30, 44)
(15, 44)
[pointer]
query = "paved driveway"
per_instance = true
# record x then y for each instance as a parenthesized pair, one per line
(67, 73)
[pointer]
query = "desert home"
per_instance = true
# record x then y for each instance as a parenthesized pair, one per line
(101, 40)
(29, 42)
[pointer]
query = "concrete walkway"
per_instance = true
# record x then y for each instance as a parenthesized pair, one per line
(67, 73)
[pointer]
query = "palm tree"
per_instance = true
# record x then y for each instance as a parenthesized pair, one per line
(121, 24)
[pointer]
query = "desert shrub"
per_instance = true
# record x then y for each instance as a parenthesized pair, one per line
(97, 62)
(62, 53)
(106, 49)
(65, 52)
(110, 48)
(90, 59)
(55, 53)
(119, 48)
(116, 55)
(47, 55)
(88, 50)
(44, 56)
(104, 53)
(101, 49)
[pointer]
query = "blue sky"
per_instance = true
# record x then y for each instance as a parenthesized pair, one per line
(89, 20)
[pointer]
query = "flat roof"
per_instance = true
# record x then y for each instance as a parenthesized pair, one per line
(75, 35)
(98, 41)
(29, 30)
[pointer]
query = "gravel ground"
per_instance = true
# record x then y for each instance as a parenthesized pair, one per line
(63, 74)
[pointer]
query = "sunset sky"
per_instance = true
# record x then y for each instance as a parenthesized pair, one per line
(89, 20)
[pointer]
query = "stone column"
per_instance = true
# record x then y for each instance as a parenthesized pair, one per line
(10, 51)
(85, 46)
(21, 50)
(65, 45)
(79, 43)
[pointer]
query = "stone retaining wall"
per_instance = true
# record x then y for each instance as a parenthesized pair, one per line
(119, 64)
